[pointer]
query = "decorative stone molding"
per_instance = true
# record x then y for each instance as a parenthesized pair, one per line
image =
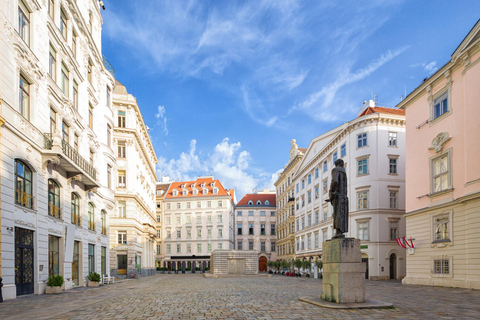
(439, 141)
(23, 223)
(50, 230)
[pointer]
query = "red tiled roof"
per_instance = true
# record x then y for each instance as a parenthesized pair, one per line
(271, 197)
(198, 185)
(371, 110)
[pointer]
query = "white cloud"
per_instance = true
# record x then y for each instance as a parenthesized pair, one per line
(162, 120)
(430, 68)
(227, 162)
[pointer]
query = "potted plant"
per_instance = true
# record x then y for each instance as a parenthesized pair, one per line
(93, 279)
(54, 284)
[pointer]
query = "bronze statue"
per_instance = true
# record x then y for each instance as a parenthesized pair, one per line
(338, 199)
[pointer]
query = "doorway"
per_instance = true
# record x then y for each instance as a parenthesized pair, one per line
(262, 264)
(365, 260)
(75, 263)
(122, 264)
(393, 266)
(23, 261)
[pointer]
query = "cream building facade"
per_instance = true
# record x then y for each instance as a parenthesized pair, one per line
(286, 205)
(133, 227)
(162, 188)
(372, 147)
(55, 146)
(255, 221)
(198, 219)
(443, 177)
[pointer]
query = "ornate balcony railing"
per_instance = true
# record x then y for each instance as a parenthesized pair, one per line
(104, 230)
(71, 154)
(91, 225)
(76, 219)
(25, 199)
(54, 211)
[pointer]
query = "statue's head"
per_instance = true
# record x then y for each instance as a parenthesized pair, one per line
(339, 162)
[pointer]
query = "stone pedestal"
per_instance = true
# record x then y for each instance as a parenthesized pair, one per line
(343, 271)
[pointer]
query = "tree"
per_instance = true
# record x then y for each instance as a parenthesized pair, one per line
(298, 264)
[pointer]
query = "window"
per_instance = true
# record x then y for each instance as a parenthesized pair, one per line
(220, 203)
(54, 209)
(189, 247)
(199, 233)
(107, 97)
(179, 234)
(209, 233)
(122, 209)
(91, 216)
(65, 80)
(309, 196)
(325, 186)
(220, 246)
(122, 179)
(317, 217)
(393, 199)
(109, 176)
(316, 240)
(262, 213)
(441, 228)
(75, 142)
(179, 248)
(250, 213)
(23, 185)
(325, 213)
(324, 235)
(90, 22)
(440, 173)
(159, 233)
(90, 71)
(250, 245)
(393, 165)
(199, 247)
(90, 116)
(343, 150)
(309, 241)
(309, 220)
(53, 121)
(262, 229)
(121, 149)
(297, 188)
(74, 44)
(298, 225)
(303, 184)
(316, 173)
(239, 229)
(179, 219)
(109, 136)
(317, 191)
(220, 233)
(91, 258)
(239, 213)
(303, 222)
(189, 204)
(250, 229)
(199, 204)
(65, 132)
(51, 8)
(393, 230)
(209, 204)
(335, 156)
(169, 248)
(262, 246)
(309, 179)
(303, 200)
(272, 213)
(362, 140)
(75, 209)
(63, 24)
(392, 139)
(272, 229)
(159, 249)
(362, 167)
(362, 200)
(23, 22)
(239, 245)
(209, 247)
(53, 255)
(362, 230)
(272, 246)
(188, 218)
(325, 166)
(121, 119)
(209, 219)
(199, 218)
(440, 105)
(24, 98)
(169, 234)
(122, 237)
(220, 218)
(441, 266)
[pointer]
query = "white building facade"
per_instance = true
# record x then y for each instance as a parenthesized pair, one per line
(198, 219)
(55, 146)
(372, 147)
(255, 221)
(133, 227)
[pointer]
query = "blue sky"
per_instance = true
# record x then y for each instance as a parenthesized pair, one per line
(225, 85)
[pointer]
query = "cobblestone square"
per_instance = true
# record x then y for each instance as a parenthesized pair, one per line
(191, 296)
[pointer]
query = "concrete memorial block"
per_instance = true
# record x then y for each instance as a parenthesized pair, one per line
(343, 271)
(232, 262)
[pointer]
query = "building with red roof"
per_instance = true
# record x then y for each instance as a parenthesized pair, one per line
(255, 220)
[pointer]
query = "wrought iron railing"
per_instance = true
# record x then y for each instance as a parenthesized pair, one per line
(104, 230)
(76, 219)
(25, 199)
(54, 211)
(72, 154)
(91, 225)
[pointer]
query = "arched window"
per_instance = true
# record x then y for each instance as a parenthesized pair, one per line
(104, 221)
(91, 216)
(54, 199)
(75, 208)
(267, 203)
(23, 185)
(250, 203)
(259, 203)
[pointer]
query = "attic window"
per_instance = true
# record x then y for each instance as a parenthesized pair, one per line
(215, 190)
(205, 191)
(267, 203)
(195, 192)
(184, 192)
(250, 203)
(212, 184)
(175, 193)
(259, 203)
(202, 185)
(192, 185)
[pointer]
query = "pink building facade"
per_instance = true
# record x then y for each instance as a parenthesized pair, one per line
(443, 172)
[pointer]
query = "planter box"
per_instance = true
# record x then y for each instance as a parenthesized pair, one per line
(93, 283)
(53, 290)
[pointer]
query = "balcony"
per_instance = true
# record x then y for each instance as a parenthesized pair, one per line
(76, 219)
(25, 199)
(91, 225)
(61, 153)
(54, 211)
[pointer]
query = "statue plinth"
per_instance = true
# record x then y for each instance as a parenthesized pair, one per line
(343, 271)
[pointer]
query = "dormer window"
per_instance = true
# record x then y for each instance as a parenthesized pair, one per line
(195, 192)
(205, 191)
(192, 185)
(184, 192)
(175, 193)
(202, 185)
(250, 203)
(212, 184)
(259, 203)
(267, 203)
(215, 190)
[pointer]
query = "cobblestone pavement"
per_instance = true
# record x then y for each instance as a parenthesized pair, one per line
(191, 296)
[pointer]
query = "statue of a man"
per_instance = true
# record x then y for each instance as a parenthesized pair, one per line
(338, 199)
